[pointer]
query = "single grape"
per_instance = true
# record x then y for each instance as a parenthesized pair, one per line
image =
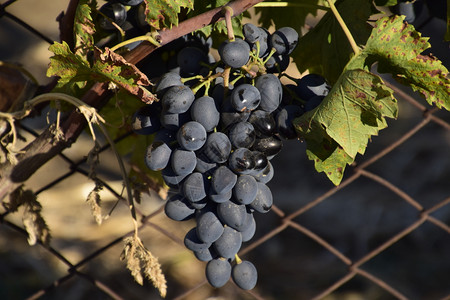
(217, 147)
(234, 54)
(190, 60)
(223, 180)
(204, 165)
(263, 122)
(250, 229)
(115, 12)
(220, 198)
(229, 243)
(261, 162)
(177, 99)
(193, 242)
(245, 189)
(266, 175)
(241, 161)
(204, 111)
(167, 81)
(245, 97)
(195, 187)
(313, 102)
(263, 201)
(245, 275)
(277, 63)
(131, 2)
(157, 156)
(218, 272)
(251, 32)
(270, 146)
(209, 227)
(178, 208)
(183, 161)
(191, 136)
(312, 85)
(232, 214)
(229, 115)
(284, 40)
(242, 135)
(206, 255)
(172, 179)
(145, 120)
(174, 121)
(285, 117)
(271, 91)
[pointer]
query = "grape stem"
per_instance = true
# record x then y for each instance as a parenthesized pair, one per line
(238, 259)
(344, 27)
(136, 39)
(228, 11)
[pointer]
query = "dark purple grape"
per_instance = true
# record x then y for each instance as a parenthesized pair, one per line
(157, 156)
(266, 175)
(195, 187)
(177, 99)
(263, 122)
(191, 136)
(241, 161)
(217, 147)
(193, 242)
(229, 115)
(234, 54)
(270, 146)
(271, 91)
(223, 180)
(245, 189)
(178, 208)
(131, 2)
(209, 227)
(263, 201)
(245, 97)
(145, 120)
(190, 60)
(313, 102)
(220, 198)
(204, 111)
(165, 135)
(232, 214)
(172, 179)
(251, 32)
(284, 40)
(285, 117)
(174, 121)
(277, 63)
(312, 85)
(242, 135)
(206, 255)
(115, 12)
(261, 161)
(183, 161)
(229, 243)
(249, 230)
(218, 272)
(204, 165)
(244, 274)
(167, 81)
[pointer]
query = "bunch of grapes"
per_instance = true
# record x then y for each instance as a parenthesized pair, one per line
(216, 128)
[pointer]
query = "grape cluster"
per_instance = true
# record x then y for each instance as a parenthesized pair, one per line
(215, 135)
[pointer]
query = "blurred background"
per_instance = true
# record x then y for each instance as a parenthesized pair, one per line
(301, 257)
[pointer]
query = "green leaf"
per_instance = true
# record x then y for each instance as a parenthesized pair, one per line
(294, 15)
(164, 13)
(341, 126)
(325, 49)
(397, 48)
(107, 66)
(84, 28)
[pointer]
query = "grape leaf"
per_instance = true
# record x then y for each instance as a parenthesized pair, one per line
(107, 66)
(84, 27)
(397, 47)
(325, 49)
(341, 126)
(294, 15)
(164, 13)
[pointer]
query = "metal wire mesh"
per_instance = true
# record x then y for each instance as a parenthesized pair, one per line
(354, 268)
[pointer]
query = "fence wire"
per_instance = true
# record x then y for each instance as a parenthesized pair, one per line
(281, 220)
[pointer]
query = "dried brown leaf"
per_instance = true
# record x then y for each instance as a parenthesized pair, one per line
(94, 201)
(142, 263)
(33, 221)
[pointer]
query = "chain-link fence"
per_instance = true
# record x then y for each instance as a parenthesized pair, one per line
(383, 233)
